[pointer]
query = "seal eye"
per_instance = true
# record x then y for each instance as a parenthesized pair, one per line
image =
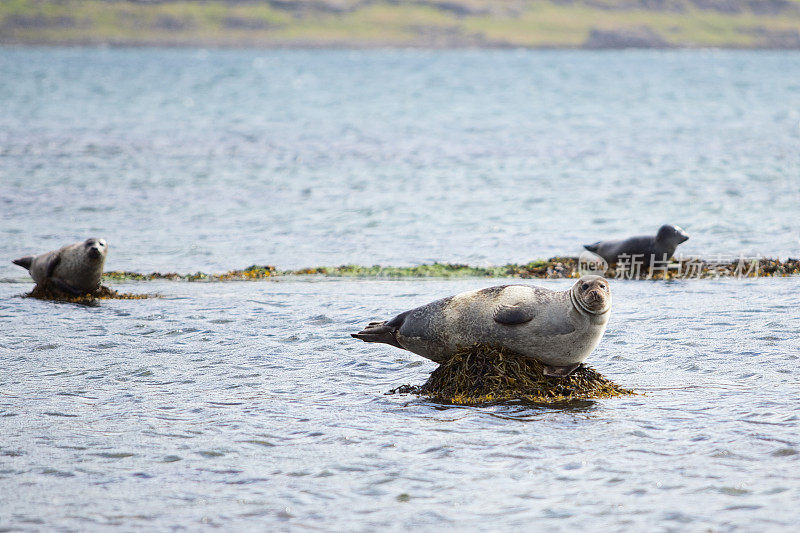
(584, 286)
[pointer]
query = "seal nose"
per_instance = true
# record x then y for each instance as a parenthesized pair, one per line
(94, 252)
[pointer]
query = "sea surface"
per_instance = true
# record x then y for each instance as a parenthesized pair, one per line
(247, 406)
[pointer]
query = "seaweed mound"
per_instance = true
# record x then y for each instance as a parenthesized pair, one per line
(101, 293)
(481, 374)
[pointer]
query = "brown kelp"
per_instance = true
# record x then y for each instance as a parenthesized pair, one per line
(553, 268)
(101, 293)
(254, 272)
(481, 375)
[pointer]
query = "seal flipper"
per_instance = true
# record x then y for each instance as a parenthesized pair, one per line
(511, 315)
(24, 262)
(558, 371)
(52, 263)
(64, 286)
(378, 332)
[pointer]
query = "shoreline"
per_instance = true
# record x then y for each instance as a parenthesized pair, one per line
(416, 24)
(203, 45)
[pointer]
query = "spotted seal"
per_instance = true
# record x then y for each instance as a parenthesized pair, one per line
(645, 248)
(74, 268)
(558, 328)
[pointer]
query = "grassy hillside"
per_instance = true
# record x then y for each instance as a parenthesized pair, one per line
(424, 23)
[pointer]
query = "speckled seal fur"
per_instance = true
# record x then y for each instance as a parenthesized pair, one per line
(559, 329)
(75, 269)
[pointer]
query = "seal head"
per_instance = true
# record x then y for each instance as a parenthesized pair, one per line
(591, 295)
(669, 236)
(95, 248)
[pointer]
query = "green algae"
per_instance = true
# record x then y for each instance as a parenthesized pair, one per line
(553, 268)
(434, 270)
(250, 273)
(486, 375)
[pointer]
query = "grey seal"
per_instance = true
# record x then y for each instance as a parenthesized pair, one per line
(558, 328)
(74, 268)
(646, 247)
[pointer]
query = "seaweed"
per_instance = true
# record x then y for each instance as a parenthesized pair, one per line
(433, 270)
(252, 272)
(485, 375)
(553, 268)
(103, 292)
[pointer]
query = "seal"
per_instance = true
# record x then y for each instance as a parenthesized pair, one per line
(645, 247)
(558, 328)
(73, 269)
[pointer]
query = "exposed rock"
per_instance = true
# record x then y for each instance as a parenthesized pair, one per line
(460, 9)
(641, 37)
(167, 22)
(722, 6)
(38, 22)
(781, 39)
(319, 6)
(772, 7)
(241, 23)
(677, 6)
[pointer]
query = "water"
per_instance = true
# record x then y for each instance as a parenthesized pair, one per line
(248, 406)
(195, 160)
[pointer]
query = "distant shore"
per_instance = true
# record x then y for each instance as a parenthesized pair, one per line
(435, 24)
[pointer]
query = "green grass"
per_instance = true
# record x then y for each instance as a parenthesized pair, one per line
(217, 23)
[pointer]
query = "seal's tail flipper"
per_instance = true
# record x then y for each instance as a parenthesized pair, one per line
(378, 332)
(592, 247)
(24, 262)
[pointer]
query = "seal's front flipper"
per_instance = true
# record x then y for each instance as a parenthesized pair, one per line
(511, 315)
(559, 371)
(52, 263)
(24, 262)
(65, 287)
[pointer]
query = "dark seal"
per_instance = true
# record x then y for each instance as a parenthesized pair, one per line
(644, 248)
